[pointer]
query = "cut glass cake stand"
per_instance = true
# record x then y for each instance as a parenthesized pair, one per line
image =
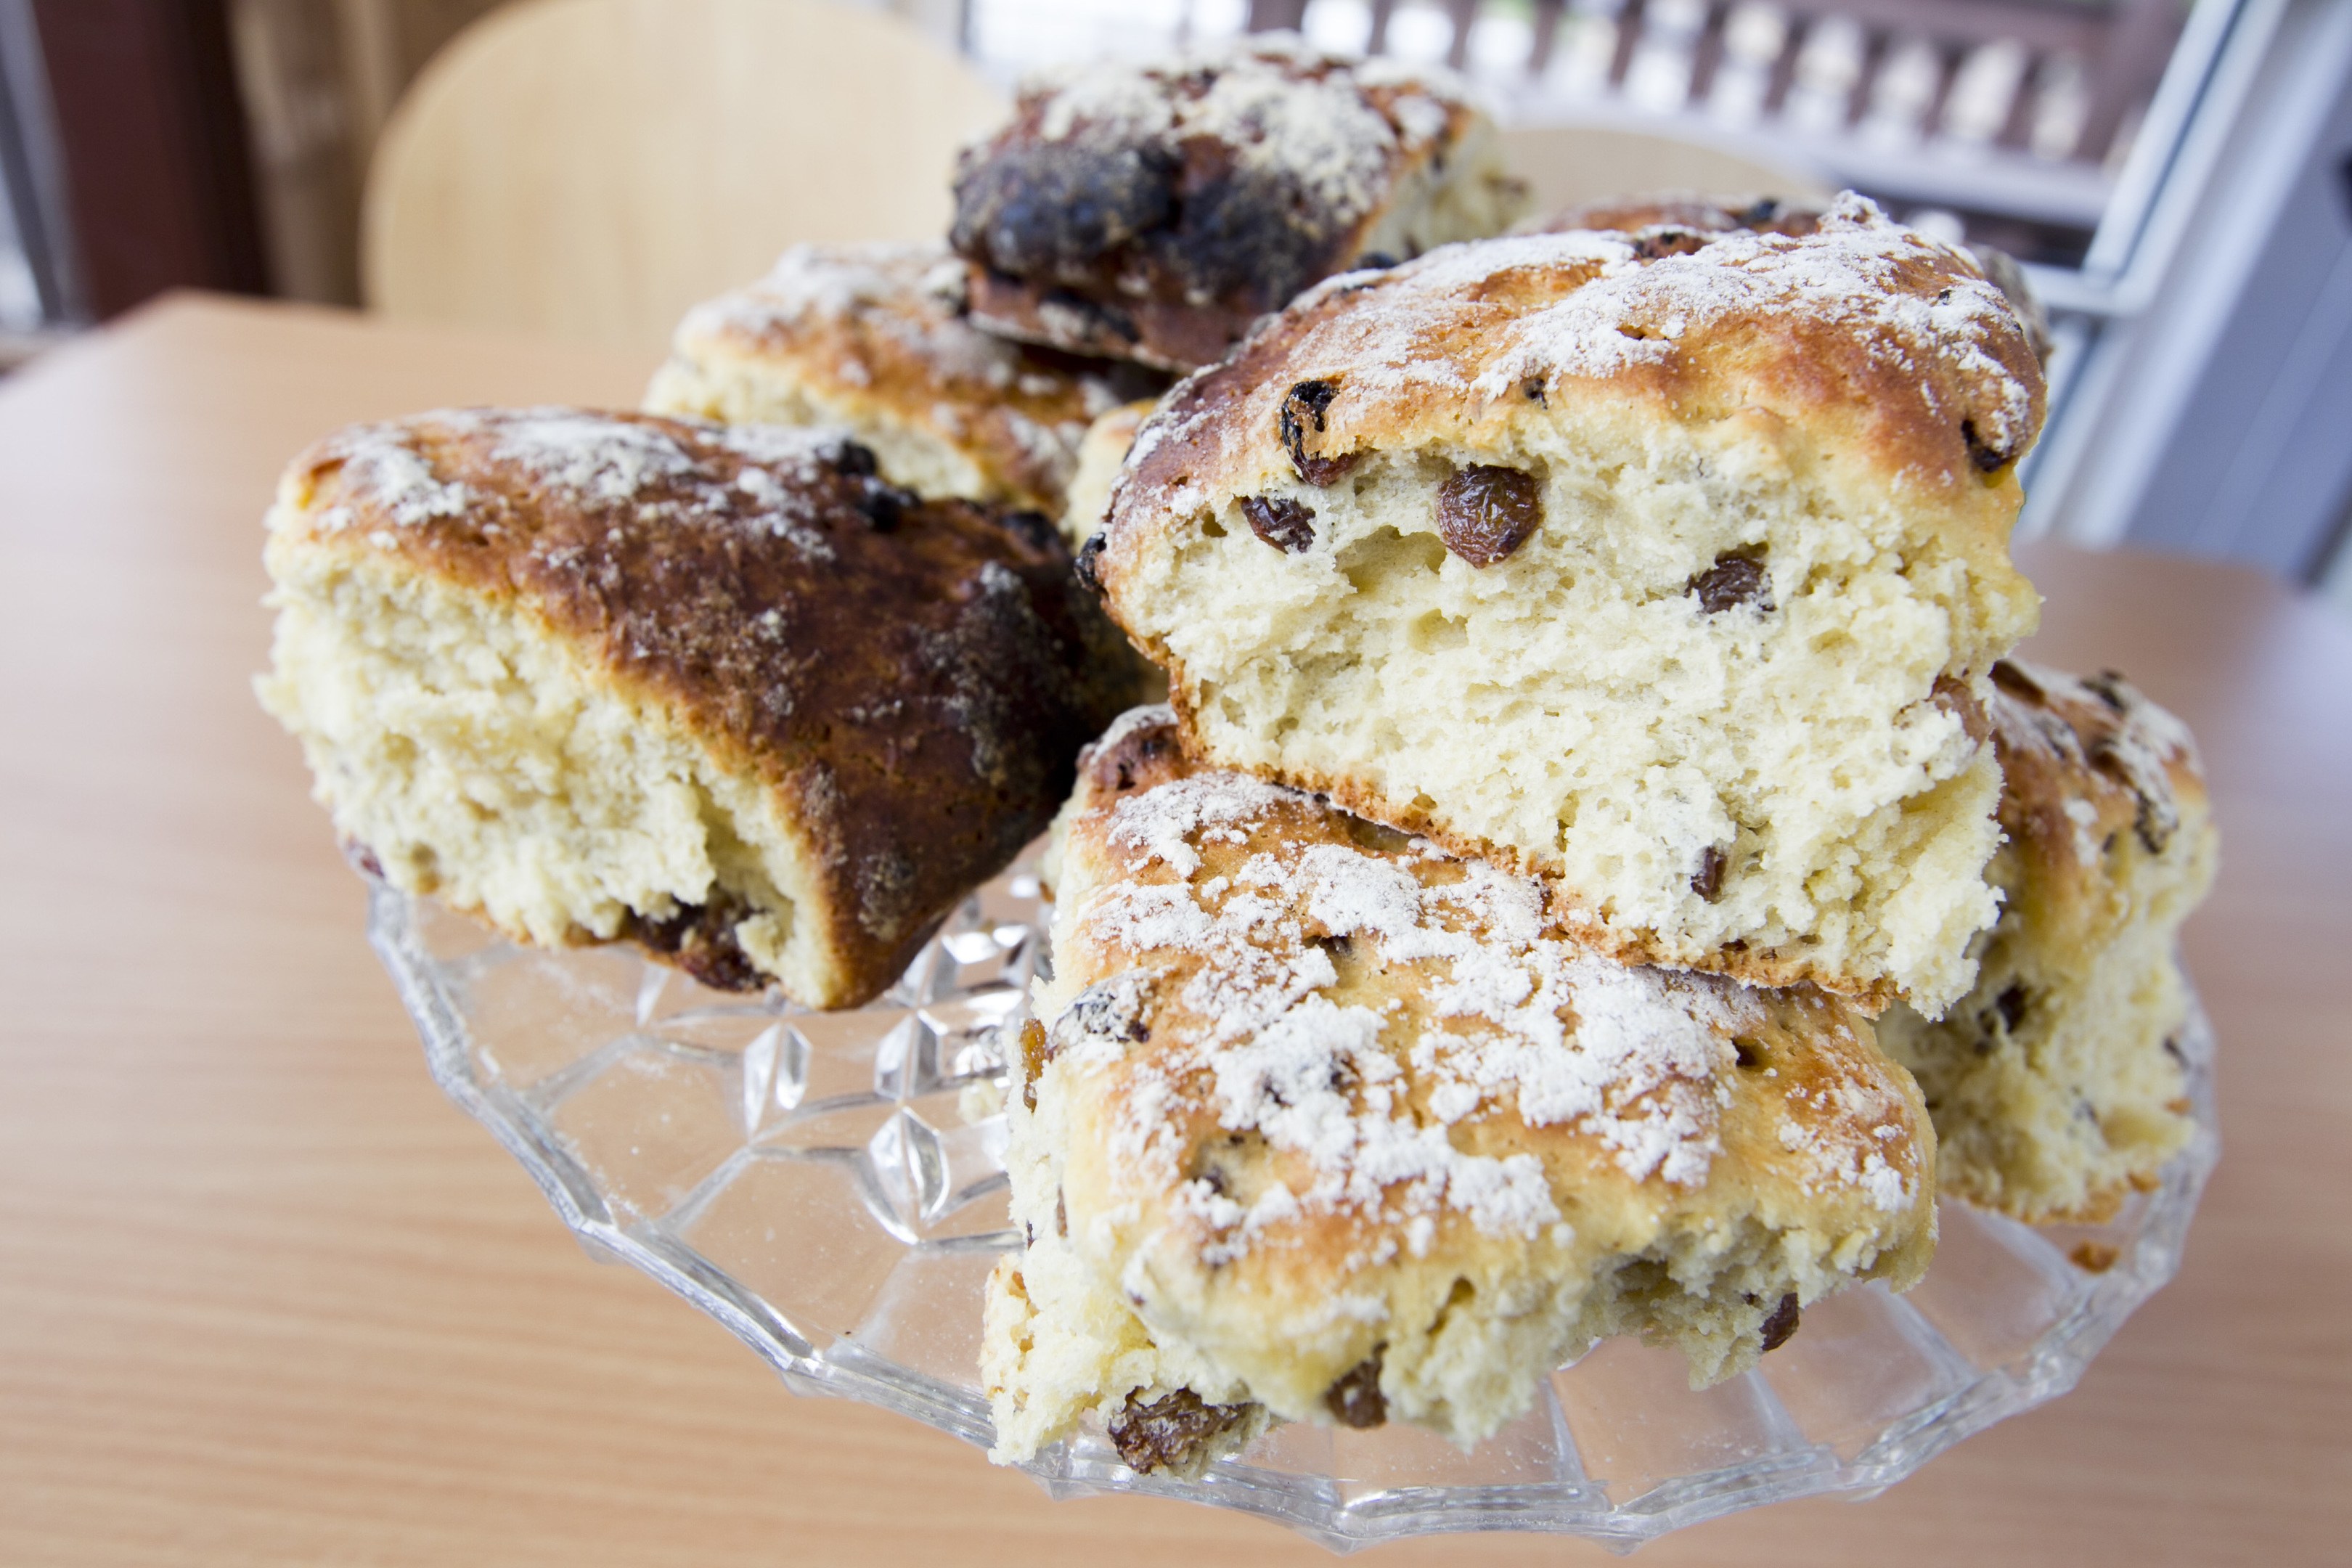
(816, 1182)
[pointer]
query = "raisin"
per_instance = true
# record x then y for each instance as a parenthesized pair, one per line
(1089, 557)
(855, 461)
(1663, 242)
(1356, 1399)
(1988, 458)
(1282, 522)
(700, 940)
(1486, 512)
(1035, 527)
(1169, 1433)
(1708, 880)
(882, 504)
(1782, 1324)
(1307, 402)
(2110, 685)
(1734, 580)
(1374, 261)
(2017, 683)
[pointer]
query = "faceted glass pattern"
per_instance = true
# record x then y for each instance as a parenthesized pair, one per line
(831, 1186)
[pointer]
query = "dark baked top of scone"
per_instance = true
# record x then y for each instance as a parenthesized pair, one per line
(1224, 181)
(917, 676)
(884, 326)
(1905, 367)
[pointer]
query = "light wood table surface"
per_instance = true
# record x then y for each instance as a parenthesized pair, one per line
(265, 1297)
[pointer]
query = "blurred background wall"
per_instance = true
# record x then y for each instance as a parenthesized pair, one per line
(2176, 176)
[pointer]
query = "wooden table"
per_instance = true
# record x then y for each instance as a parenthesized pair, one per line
(265, 1297)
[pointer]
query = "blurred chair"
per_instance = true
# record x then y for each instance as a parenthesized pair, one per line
(588, 169)
(1565, 166)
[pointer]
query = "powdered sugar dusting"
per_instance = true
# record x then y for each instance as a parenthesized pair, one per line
(1281, 107)
(905, 294)
(1470, 325)
(891, 316)
(592, 458)
(1134, 721)
(589, 460)
(1161, 822)
(381, 464)
(2104, 728)
(1482, 1009)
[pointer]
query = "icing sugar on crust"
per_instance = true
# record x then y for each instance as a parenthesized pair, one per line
(1899, 341)
(1311, 1031)
(913, 679)
(1153, 209)
(2085, 759)
(883, 326)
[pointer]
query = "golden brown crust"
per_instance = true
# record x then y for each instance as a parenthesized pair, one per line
(1888, 355)
(2055, 1082)
(877, 332)
(912, 678)
(1676, 222)
(1152, 213)
(2066, 743)
(1736, 1106)
(1884, 367)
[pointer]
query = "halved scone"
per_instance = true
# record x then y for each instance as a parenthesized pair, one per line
(2058, 1084)
(722, 693)
(1321, 1123)
(1671, 577)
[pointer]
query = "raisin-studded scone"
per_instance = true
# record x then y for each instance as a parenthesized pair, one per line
(1152, 210)
(2056, 1084)
(722, 693)
(1321, 1123)
(1673, 579)
(873, 339)
(1671, 221)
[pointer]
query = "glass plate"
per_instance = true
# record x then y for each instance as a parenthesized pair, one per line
(812, 1181)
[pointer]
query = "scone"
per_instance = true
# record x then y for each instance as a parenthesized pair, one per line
(1153, 210)
(1321, 1123)
(2056, 1084)
(1673, 579)
(873, 339)
(722, 693)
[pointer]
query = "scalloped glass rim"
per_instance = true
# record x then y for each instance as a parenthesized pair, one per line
(674, 1129)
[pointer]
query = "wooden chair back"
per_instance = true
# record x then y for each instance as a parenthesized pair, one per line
(587, 169)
